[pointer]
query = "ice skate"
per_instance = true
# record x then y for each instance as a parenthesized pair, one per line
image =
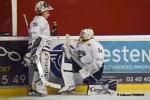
(67, 90)
(35, 93)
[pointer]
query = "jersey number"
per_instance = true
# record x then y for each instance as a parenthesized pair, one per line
(99, 50)
(35, 24)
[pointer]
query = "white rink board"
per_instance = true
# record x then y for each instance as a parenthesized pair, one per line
(100, 38)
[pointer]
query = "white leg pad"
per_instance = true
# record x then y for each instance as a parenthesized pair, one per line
(67, 74)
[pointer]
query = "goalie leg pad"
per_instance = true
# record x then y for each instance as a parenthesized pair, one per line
(67, 74)
(68, 77)
(32, 72)
(34, 79)
(45, 62)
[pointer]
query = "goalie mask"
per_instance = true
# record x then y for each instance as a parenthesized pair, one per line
(86, 34)
(42, 6)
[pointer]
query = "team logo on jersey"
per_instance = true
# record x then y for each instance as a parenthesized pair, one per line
(35, 24)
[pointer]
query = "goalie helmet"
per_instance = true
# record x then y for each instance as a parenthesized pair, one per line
(42, 6)
(86, 34)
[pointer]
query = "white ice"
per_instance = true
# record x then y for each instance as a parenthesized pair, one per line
(80, 97)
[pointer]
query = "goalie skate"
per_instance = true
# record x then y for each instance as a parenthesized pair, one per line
(66, 90)
(35, 93)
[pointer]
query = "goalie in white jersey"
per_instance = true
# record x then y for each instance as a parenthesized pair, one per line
(87, 59)
(39, 39)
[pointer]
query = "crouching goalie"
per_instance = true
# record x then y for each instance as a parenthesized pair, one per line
(86, 59)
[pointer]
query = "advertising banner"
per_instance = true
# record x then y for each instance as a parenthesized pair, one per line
(125, 61)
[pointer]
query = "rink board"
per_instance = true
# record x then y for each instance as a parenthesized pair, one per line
(81, 90)
(127, 61)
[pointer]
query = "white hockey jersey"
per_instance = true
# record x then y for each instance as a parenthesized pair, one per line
(91, 53)
(39, 27)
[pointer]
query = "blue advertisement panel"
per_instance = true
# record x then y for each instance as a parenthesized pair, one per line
(127, 56)
(127, 61)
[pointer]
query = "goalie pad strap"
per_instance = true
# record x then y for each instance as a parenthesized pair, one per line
(68, 71)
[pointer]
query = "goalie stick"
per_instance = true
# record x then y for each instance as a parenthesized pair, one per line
(26, 22)
(39, 67)
(75, 58)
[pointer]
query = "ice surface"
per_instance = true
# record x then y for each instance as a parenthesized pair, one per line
(81, 97)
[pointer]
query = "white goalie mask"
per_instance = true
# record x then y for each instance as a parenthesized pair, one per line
(42, 6)
(86, 34)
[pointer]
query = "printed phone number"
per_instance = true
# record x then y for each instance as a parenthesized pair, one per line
(15, 80)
